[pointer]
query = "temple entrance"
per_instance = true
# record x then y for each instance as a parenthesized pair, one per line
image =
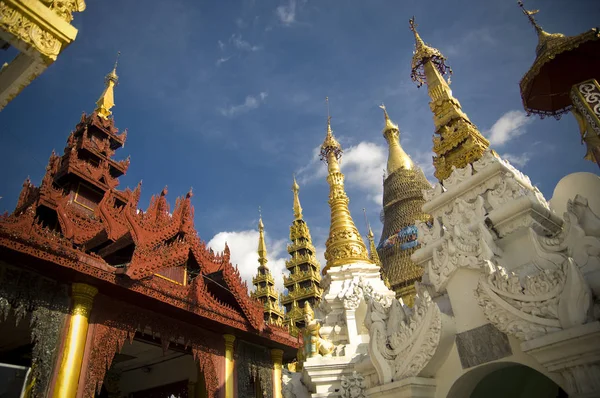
(501, 380)
(144, 370)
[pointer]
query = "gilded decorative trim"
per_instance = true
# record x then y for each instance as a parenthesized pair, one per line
(17, 24)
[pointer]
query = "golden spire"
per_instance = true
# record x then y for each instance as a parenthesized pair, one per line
(397, 158)
(297, 207)
(372, 248)
(107, 98)
(344, 245)
(262, 248)
(543, 36)
(459, 142)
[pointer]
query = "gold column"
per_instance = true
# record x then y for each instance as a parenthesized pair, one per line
(229, 339)
(277, 357)
(70, 368)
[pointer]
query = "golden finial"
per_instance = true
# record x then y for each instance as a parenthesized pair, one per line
(297, 207)
(331, 148)
(422, 54)
(543, 37)
(529, 14)
(389, 125)
(262, 248)
(107, 98)
(397, 157)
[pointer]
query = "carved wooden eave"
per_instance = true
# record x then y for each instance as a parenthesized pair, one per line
(21, 233)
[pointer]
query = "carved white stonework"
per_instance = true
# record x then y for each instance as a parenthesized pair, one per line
(353, 386)
(403, 341)
(578, 239)
(341, 303)
(546, 302)
(469, 244)
(342, 310)
(292, 386)
(477, 206)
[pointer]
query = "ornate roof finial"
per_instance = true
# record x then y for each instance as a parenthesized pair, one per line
(297, 207)
(529, 14)
(262, 247)
(107, 98)
(330, 145)
(458, 142)
(389, 125)
(422, 54)
(543, 37)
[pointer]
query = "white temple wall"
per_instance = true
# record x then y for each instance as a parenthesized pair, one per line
(461, 291)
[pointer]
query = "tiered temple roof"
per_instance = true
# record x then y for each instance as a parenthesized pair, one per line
(264, 283)
(77, 225)
(305, 271)
(402, 203)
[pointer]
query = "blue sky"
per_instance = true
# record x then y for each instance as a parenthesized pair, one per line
(228, 98)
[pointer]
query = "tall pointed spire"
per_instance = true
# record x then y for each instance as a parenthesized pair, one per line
(397, 158)
(107, 98)
(344, 245)
(402, 206)
(262, 248)
(265, 283)
(297, 207)
(372, 248)
(302, 284)
(459, 142)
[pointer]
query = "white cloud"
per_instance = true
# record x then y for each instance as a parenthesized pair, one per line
(287, 13)
(242, 44)
(510, 125)
(222, 60)
(363, 165)
(517, 160)
(244, 245)
(251, 102)
(240, 23)
(221, 45)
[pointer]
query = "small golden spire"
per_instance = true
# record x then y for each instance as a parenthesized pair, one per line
(330, 145)
(297, 207)
(262, 247)
(529, 14)
(345, 244)
(459, 142)
(397, 158)
(107, 98)
(543, 37)
(372, 248)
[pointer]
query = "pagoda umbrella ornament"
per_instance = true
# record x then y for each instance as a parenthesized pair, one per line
(564, 77)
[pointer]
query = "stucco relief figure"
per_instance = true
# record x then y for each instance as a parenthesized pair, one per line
(314, 344)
